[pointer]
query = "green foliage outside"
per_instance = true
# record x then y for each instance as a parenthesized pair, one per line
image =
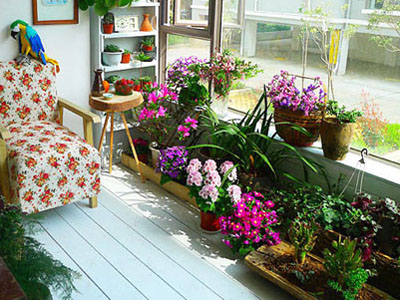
(177, 40)
(262, 27)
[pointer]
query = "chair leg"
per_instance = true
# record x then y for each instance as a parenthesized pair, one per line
(93, 202)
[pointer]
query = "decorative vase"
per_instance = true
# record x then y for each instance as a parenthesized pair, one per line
(126, 58)
(336, 138)
(209, 222)
(220, 105)
(311, 123)
(108, 28)
(155, 153)
(146, 24)
(98, 88)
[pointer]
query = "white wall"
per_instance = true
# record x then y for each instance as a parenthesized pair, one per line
(69, 44)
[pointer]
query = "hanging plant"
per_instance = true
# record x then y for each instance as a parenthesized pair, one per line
(101, 7)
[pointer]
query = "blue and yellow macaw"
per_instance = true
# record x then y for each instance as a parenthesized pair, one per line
(30, 43)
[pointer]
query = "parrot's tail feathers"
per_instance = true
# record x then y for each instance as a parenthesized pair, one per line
(42, 57)
(54, 62)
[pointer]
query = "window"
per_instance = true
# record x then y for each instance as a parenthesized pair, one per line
(378, 4)
(268, 33)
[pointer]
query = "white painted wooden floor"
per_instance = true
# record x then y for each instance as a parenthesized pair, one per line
(143, 243)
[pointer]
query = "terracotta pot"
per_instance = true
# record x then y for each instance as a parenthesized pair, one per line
(336, 138)
(209, 222)
(126, 58)
(146, 25)
(311, 123)
(147, 48)
(108, 28)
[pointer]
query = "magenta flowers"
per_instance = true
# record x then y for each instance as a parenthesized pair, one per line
(215, 190)
(284, 94)
(184, 130)
(250, 225)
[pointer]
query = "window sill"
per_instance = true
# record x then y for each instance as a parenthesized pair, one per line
(378, 11)
(381, 178)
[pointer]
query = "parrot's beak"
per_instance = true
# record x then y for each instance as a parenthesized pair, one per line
(14, 34)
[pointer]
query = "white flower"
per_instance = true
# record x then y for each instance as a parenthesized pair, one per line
(234, 192)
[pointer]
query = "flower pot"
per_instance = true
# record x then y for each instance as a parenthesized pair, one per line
(209, 222)
(126, 58)
(123, 90)
(146, 25)
(311, 123)
(112, 58)
(220, 106)
(147, 48)
(108, 28)
(155, 153)
(336, 138)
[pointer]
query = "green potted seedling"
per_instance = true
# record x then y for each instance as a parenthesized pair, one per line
(143, 57)
(112, 55)
(148, 44)
(337, 129)
(108, 23)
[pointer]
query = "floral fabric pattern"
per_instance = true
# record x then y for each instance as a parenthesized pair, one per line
(50, 166)
(27, 92)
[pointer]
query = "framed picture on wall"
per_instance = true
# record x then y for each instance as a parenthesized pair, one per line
(51, 12)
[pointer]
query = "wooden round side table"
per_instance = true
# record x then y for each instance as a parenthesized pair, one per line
(118, 104)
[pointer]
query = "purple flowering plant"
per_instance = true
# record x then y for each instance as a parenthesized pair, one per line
(214, 189)
(250, 225)
(172, 164)
(283, 93)
(184, 79)
(161, 116)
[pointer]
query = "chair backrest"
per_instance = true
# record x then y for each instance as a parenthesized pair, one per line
(27, 92)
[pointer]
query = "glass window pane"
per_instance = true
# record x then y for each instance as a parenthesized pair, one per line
(181, 46)
(367, 76)
(190, 12)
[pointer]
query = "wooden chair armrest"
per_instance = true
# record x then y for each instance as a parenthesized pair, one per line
(84, 113)
(4, 133)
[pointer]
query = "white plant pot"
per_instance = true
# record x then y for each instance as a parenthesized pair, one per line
(155, 153)
(112, 58)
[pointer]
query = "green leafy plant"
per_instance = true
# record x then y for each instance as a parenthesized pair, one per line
(112, 78)
(112, 48)
(148, 41)
(32, 265)
(344, 266)
(101, 7)
(303, 236)
(126, 51)
(143, 57)
(108, 18)
(342, 114)
(145, 79)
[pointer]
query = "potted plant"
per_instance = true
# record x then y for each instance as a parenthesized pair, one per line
(294, 107)
(223, 70)
(34, 268)
(102, 7)
(145, 81)
(108, 23)
(112, 55)
(337, 130)
(303, 237)
(124, 87)
(148, 43)
(250, 225)
(172, 164)
(214, 189)
(143, 57)
(137, 84)
(126, 57)
(142, 149)
(112, 79)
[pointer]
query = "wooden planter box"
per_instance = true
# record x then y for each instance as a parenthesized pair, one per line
(256, 261)
(173, 187)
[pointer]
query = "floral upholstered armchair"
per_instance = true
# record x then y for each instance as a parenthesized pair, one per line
(42, 163)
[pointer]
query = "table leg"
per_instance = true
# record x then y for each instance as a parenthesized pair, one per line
(132, 146)
(111, 140)
(103, 132)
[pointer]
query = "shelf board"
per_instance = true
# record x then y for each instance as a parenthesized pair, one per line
(141, 4)
(122, 67)
(117, 35)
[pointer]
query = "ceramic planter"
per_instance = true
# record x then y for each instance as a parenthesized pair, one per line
(311, 123)
(220, 105)
(146, 24)
(112, 58)
(336, 138)
(155, 154)
(209, 222)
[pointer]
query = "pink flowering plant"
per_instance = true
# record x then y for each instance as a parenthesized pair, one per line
(250, 225)
(172, 164)
(283, 93)
(214, 188)
(141, 146)
(162, 117)
(224, 69)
